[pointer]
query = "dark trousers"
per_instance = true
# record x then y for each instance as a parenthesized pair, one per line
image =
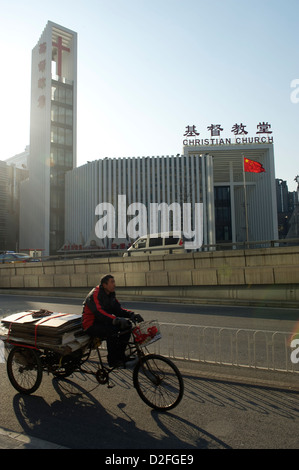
(116, 345)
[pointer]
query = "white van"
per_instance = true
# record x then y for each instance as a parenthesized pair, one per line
(157, 244)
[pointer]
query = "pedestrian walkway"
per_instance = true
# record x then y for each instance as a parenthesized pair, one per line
(14, 440)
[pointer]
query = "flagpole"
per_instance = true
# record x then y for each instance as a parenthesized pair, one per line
(245, 201)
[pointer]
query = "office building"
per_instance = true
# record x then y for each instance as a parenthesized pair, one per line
(212, 176)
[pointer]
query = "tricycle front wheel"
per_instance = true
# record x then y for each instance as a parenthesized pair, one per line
(158, 382)
(24, 369)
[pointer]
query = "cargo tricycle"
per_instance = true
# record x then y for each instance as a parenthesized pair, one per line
(156, 378)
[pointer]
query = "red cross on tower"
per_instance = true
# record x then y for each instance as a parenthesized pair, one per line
(60, 48)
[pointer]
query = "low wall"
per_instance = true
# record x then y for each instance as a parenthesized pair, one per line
(259, 274)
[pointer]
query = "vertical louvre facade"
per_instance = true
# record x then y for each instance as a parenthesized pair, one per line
(146, 180)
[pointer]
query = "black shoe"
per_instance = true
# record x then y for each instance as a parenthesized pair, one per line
(130, 358)
(117, 365)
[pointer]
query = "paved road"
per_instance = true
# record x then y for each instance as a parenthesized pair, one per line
(79, 413)
(265, 318)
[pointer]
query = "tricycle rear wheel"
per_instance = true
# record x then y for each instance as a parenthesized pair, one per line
(24, 369)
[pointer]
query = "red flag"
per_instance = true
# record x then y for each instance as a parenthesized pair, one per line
(252, 166)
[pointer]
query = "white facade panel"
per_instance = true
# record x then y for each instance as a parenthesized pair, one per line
(52, 138)
(226, 171)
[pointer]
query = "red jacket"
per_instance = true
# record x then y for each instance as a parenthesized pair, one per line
(101, 308)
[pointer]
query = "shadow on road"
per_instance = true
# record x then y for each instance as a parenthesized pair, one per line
(78, 420)
(262, 400)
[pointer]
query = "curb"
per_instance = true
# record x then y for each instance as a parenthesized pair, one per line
(14, 440)
(239, 375)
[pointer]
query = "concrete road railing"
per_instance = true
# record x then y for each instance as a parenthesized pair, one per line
(266, 274)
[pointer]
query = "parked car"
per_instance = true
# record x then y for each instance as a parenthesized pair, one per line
(16, 258)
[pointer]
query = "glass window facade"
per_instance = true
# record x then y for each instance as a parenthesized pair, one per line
(61, 158)
(223, 214)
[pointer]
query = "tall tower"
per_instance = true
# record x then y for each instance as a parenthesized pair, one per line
(53, 122)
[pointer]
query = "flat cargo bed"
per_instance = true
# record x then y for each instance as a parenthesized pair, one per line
(44, 329)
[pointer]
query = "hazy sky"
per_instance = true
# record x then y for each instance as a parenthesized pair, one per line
(149, 68)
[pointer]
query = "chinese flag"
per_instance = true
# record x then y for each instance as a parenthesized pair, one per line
(252, 166)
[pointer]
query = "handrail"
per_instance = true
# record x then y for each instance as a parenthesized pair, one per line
(241, 347)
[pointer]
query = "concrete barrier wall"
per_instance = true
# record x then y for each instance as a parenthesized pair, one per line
(196, 273)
